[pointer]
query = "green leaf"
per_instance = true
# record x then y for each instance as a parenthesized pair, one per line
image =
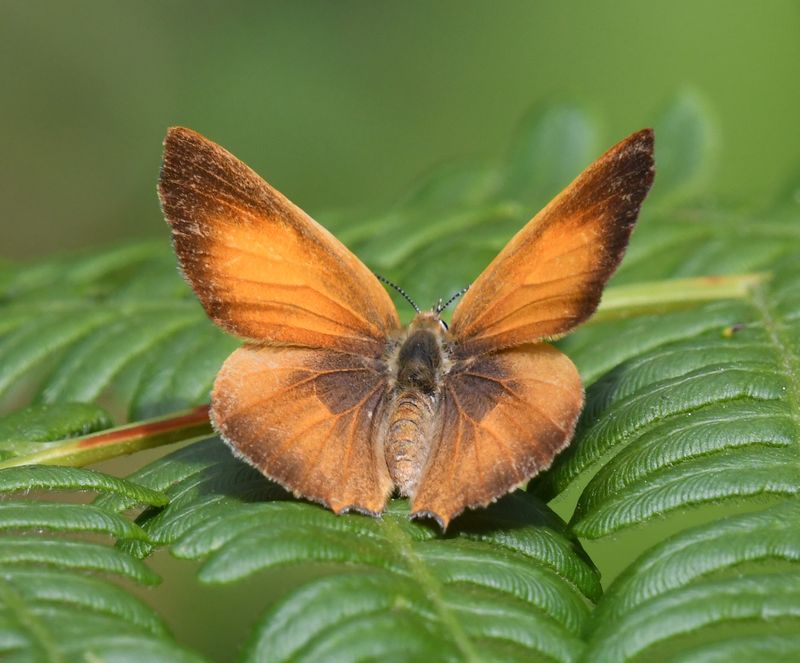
(742, 572)
(67, 518)
(33, 428)
(73, 555)
(181, 370)
(42, 477)
(694, 415)
(60, 616)
(53, 607)
(683, 614)
(41, 423)
(378, 615)
(106, 325)
(29, 343)
(89, 366)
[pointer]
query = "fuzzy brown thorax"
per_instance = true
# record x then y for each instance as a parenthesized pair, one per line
(417, 365)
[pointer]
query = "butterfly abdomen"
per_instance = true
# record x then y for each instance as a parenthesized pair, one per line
(406, 444)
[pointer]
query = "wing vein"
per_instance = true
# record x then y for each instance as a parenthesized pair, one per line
(477, 426)
(294, 385)
(515, 291)
(272, 303)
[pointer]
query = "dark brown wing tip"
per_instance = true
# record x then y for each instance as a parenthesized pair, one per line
(178, 134)
(642, 144)
(181, 141)
(646, 135)
(642, 140)
(173, 141)
(183, 148)
(639, 150)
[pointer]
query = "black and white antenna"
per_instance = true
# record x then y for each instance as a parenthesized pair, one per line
(441, 307)
(400, 290)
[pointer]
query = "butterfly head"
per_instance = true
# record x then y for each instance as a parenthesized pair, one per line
(428, 320)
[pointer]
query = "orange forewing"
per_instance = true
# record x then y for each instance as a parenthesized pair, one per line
(308, 420)
(504, 417)
(550, 276)
(262, 268)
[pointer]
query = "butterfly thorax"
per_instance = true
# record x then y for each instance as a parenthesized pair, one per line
(418, 364)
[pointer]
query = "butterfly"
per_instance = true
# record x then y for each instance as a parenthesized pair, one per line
(331, 397)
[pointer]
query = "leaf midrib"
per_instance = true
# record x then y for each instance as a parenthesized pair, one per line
(790, 362)
(431, 587)
(29, 620)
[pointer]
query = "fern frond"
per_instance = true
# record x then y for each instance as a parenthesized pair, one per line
(696, 416)
(53, 604)
(513, 560)
(67, 518)
(42, 477)
(712, 589)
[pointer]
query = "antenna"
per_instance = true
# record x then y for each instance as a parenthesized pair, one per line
(441, 307)
(400, 290)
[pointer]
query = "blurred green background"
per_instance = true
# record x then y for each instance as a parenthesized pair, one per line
(345, 104)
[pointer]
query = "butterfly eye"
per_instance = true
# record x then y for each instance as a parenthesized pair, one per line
(444, 324)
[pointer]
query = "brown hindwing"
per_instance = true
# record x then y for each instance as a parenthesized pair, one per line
(308, 419)
(503, 418)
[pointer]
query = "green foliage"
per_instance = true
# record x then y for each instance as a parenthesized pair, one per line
(693, 413)
(508, 578)
(698, 405)
(32, 428)
(53, 604)
(40, 477)
(82, 328)
(727, 574)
